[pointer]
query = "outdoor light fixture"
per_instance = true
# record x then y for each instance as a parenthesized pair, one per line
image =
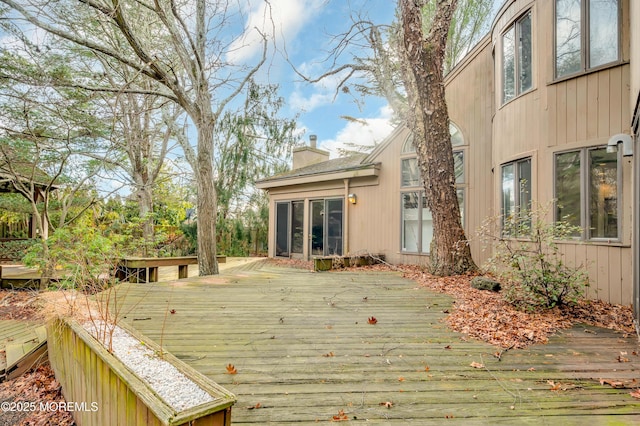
(352, 198)
(625, 140)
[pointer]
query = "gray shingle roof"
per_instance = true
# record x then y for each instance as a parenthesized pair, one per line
(336, 165)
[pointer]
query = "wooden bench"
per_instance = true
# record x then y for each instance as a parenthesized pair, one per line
(145, 269)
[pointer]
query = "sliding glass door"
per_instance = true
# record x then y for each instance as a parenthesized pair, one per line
(327, 217)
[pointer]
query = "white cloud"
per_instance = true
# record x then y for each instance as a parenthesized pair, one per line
(364, 132)
(298, 102)
(280, 20)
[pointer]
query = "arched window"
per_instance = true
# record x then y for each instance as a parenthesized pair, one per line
(408, 146)
(417, 224)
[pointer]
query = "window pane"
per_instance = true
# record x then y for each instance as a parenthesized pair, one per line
(408, 145)
(410, 173)
(603, 194)
(603, 32)
(458, 166)
(317, 227)
(508, 65)
(524, 54)
(410, 222)
(427, 226)
(297, 220)
(524, 194)
(567, 180)
(456, 135)
(508, 197)
(460, 192)
(334, 228)
(568, 30)
(282, 229)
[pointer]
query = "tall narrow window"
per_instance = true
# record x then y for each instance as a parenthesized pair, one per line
(417, 223)
(587, 192)
(297, 223)
(516, 197)
(586, 34)
(282, 229)
(517, 72)
(603, 194)
(410, 172)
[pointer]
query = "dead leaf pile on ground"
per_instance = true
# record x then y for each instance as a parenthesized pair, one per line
(486, 316)
(291, 263)
(38, 388)
(19, 305)
(308, 265)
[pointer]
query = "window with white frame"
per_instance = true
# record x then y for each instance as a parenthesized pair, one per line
(516, 197)
(587, 35)
(417, 224)
(517, 69)
(587, 192)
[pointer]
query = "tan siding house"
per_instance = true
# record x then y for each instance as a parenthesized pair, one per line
(544, 112)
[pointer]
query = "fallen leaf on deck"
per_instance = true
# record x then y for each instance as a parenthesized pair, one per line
(387, 404)
(401, 379)
(173, 311)
(340, 417)
(635, 393)
(231, 369)
(554, 386)
(613, 383)
(255, 407)
(328, 355)
(372, 320)
(477, 365)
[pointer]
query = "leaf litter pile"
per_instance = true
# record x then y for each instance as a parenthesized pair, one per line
(30, 390)
(484, 315)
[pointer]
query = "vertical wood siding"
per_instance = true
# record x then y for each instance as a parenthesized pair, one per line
(573, 113)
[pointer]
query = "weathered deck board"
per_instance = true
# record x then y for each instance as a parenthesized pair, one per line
(304, 350)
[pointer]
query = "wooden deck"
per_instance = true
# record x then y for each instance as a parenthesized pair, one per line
(305, 352)
(22, 344)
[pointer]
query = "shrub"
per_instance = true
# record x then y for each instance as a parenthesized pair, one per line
(532, 263)
(87, 257)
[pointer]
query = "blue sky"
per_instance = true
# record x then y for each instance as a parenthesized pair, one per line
(304, 28)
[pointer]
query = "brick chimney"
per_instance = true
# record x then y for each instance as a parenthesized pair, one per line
(307, 155)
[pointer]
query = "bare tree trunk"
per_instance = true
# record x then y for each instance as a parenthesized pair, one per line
(428, 118)
(207, 201)
(144, 196)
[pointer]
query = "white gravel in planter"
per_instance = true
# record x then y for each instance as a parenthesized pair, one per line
(171, 385)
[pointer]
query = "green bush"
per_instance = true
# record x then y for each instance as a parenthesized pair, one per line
(532, 264)
(86, 258)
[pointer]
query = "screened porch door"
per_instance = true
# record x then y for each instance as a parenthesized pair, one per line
(326, 222)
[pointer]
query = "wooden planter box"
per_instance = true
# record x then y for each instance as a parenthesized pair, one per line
(112, 394)
(322, 263)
